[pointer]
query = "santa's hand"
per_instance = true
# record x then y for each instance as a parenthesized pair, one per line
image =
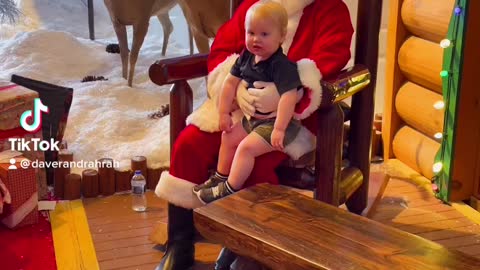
(277, 139)
(244, 99)
(265, 96)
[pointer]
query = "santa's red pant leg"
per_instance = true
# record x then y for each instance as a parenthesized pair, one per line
(193, 154)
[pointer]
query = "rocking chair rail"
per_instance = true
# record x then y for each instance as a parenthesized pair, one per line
(171, 70)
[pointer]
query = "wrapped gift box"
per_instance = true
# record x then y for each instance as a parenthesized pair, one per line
(14, 100)
(21, 183)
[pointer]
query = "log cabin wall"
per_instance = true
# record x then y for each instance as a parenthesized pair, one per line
(413, 63)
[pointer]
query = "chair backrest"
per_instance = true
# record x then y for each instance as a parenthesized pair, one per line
(233, 6)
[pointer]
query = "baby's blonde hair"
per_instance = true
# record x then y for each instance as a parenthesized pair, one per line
(269, 9)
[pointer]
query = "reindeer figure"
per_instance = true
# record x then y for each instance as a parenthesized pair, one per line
(137, 14)
(204, 18)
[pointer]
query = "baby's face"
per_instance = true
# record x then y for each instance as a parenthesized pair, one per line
(262, 36)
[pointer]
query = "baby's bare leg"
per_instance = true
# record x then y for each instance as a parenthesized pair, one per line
(250, 148)
(230, 142)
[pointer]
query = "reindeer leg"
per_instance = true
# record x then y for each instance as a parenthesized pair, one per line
(121, 32)
(190, 40)
(202, 42)
(139, 32)
(167, 30)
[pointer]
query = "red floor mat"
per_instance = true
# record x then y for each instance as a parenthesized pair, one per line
(28, 248)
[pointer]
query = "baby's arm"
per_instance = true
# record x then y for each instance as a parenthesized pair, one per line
(286, 107)
(227, 96)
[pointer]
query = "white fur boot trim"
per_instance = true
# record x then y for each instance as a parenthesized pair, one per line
(177, 191)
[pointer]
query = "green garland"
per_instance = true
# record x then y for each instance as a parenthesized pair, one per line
(451, 79)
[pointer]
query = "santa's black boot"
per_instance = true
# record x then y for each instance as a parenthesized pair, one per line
(180, 248)
(225, 259)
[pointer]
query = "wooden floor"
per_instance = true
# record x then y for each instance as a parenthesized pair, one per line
(408, 203)
(124, 239)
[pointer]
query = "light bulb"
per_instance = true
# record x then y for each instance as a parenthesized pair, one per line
(437, 167)
(445, 43)
(458, 10)
(443, 73)
(439, 105)
(438, 135)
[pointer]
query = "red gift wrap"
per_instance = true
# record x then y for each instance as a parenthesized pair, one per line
(14, 100)
(21, 183)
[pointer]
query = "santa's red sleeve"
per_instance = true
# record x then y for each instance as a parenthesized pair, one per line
(331, 49)
(329, 53)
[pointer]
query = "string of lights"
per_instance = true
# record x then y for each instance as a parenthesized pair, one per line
(451, 78)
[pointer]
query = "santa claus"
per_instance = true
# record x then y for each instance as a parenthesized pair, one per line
(318, 39)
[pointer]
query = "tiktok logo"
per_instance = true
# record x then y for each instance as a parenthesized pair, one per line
(38, 108)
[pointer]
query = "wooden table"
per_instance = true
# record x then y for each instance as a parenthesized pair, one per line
(283, 229)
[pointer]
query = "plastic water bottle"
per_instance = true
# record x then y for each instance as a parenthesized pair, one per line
(139, 200)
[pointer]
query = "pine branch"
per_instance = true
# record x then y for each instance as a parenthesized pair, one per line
(8, 11)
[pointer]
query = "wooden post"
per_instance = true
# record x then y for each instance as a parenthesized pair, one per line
(90, 183)
(91, 20)
(72, 186)
(368, 27)
(328, 156)
(153, 177)
(122, 180)
(180, 94)
(106, 177)
(60, 173)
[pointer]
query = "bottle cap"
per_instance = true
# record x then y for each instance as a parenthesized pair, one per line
(138, 172)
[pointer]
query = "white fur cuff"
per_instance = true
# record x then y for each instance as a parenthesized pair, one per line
(310, 77)
(177, 191)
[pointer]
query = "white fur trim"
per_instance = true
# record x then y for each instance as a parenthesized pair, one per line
(177, 191)
(21, 212)
(206, 116)
(294, 6)
(302, 144)
(295, 11)
(310, 77)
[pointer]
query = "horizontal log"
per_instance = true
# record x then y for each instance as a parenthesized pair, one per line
(414, 105)
(415, 150)
(427, 19)
(421, 62)
(351, 180)
(167, 71)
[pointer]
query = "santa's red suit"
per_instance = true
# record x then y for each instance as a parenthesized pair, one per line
(318, 39)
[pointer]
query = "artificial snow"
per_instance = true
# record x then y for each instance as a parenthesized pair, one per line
(107, 118)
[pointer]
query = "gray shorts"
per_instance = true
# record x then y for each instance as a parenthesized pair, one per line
(264, 128)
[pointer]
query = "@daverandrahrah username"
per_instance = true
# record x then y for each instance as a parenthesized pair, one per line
(34, 144)
(25, 163)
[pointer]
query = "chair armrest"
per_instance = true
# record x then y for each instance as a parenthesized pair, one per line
(345, 84)
(167, 71)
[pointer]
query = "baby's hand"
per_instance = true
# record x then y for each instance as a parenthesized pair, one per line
(277, 139)
(225, 122)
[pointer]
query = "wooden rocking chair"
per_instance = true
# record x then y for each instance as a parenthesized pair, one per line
(334, 184)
